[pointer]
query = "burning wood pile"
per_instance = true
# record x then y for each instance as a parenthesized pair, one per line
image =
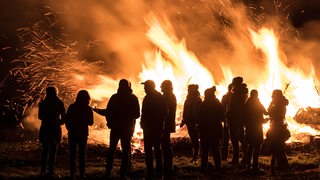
(309, 115)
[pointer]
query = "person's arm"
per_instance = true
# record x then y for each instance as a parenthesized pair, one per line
(62, 113)
(102, 112)
(90, 116)
(136, 108)
(40, 111)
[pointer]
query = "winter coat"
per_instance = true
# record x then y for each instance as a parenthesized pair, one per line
(153, 113)
(78, 118)
(253, 118)
(170, 103)
(190, 110)
(51, 110)
(211, 114)
(122, 111)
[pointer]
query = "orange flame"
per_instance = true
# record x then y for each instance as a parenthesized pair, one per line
(172, 60)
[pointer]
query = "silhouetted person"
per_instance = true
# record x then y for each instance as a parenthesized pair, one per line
(225, 142)
(122, 111)
(235, 118)
(211, 114)
(253, 117)
(170, 103)
(51, 113)
(190, 117)
(79, 117)
(278, 133)
(152, 122)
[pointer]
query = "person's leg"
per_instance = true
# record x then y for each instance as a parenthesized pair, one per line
(167, 153)
(216, 154)
(256, 153)
(283, 160)
(147, 139)
(204, 155)
(249, 154)
(114, 138)
(52, 156)
(158, 153)
(82, 156)
(234, 136)
(125, 146)
(44, 157)
(225, 143)
(73, 150)
(194, 136)
(244, 144)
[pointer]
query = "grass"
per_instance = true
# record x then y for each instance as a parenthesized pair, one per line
(20, 159)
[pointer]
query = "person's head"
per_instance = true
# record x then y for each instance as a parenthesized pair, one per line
(209, 93)
(237, 81)
(124, 86)
(149, 86)
(254, 93)
(166, 86)
(277, 94)
(51, 91)
(193, 89)
(83, 97)
(123, 83)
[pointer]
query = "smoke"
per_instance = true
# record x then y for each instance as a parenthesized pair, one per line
(216, 31)
(98, 39)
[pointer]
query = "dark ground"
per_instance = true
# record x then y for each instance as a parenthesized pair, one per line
(20, 156)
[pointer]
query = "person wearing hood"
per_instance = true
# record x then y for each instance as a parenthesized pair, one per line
(51, 113)
(121, 113)
(210, 117)
(170, 103)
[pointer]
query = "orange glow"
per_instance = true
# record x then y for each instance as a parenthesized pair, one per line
(172, 60)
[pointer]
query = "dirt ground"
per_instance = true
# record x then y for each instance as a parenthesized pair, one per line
(20, 159)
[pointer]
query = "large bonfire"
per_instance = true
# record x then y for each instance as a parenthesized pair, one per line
(259, 59)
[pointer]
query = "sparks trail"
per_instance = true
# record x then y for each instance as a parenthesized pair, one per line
(49, 58)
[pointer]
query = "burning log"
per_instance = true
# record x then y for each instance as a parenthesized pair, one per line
(309, 116)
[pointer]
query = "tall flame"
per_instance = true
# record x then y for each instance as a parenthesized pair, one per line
(172, 60)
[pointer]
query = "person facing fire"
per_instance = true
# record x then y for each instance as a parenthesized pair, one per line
(152, 122)
(190, 118)
(170, 103)
(210, 116)
(235, 118)
(278, 132)
(79, 116)
(51, 113)
(121, 113)
(253, 120)
(225, 141)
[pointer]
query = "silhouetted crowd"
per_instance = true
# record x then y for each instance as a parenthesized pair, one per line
(211, 124)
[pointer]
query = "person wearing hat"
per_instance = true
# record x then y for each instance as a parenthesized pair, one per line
(210, 117)
(190, 118)
(51, 113)
(121, 113)
(152, 122)
(170, 103)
